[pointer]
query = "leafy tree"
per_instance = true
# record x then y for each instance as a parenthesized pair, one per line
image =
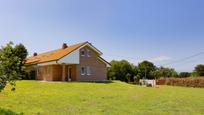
(11, 64)
(184, 74)
(155, 74)
(167, 72)
(199, 69)
(146, 69)
(121, 70)
(128, 77)
(194, 74)
(21, 52)
(136, 78)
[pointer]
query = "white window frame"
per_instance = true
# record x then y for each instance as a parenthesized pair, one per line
(88, 70)
(83, 50)
(88, 53)
(84, 73)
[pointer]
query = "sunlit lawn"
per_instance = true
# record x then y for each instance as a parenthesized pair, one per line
(34, 97)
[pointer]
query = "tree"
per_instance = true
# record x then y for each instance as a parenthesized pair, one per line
(155, 74)
(184, 74)
(21, 52)
(199, 69)
(146, 70)
(11, 64)
(121, 70)
(136, 78)
(128, 77)
(194, 74)
(167, 72)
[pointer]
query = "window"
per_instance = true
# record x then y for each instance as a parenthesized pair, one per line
(83, 71)
(88, 70)
(82, 52)
(88, 53)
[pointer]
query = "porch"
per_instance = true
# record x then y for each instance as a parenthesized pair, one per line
(56, 72)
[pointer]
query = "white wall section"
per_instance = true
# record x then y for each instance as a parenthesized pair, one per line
(72, 58)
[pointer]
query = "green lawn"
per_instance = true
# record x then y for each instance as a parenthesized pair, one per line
(34, 97)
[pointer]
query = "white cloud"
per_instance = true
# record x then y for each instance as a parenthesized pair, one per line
(160, 58)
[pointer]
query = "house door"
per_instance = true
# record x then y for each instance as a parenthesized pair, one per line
(69, 74)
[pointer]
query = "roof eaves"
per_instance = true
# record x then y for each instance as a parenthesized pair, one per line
(106, 62)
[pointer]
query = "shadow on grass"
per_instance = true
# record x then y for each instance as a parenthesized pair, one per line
(8, 112)
(102, 82)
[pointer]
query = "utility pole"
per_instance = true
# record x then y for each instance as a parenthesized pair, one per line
(145, 72)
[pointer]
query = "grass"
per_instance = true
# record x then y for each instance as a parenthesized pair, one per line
(34, 97)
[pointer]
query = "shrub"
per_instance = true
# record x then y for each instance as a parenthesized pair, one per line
(187, 82)
(184, 74)
(29, 75)
(149, 85)
(136, 79)
(8, 112)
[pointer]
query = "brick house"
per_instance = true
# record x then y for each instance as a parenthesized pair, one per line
(79, 62)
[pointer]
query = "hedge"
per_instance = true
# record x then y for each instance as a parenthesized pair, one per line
(187, 82)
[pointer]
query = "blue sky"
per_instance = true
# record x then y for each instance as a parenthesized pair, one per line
(161, 31)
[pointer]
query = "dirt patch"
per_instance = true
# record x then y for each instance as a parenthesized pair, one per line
(1, 94)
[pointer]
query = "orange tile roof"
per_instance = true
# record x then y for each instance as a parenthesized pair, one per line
(53, 55)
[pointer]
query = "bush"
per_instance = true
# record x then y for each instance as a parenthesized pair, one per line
(136, 79)
(149, 85)
(29, 75)
(8, 112)
(184, 74)
(187, 82)
(121, 70)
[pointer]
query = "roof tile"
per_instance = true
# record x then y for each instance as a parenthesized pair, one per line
(53, 55)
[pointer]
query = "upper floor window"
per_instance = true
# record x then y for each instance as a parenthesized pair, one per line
(88, 53)
(83, 71)
(83, 52)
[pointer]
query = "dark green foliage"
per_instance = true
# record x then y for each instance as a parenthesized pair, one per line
(29, 75)
(146, 70)
(124, 71)
(167, 72)
(2, 83)
(11, 64)
(8, 112)
(128, 77)
(121, 70)
(184, 74)
(199, 69)
(194, 74)
(155, 74)
(136, 79)
(21, 52)
(149, 85)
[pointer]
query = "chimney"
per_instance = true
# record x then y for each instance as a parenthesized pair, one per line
(64, 46)
(35, 54)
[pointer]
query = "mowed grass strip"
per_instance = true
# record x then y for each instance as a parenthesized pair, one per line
(51, 98)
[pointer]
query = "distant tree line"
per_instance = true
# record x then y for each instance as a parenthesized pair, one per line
(125, 71)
